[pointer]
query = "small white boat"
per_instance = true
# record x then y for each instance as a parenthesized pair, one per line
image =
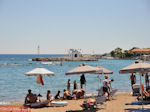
(47, 63)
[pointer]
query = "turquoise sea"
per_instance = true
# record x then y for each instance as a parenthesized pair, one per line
(14, 84)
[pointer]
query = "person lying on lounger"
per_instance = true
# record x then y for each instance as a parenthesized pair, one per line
(67, 95)
(79, 93)
(30, 97)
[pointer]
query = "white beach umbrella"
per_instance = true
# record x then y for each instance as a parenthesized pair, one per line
(82, 69)
(39, 71)
(103, 70)
(140, 67)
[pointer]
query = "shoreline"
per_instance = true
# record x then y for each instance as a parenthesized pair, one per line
(22, 100)
(116, 104)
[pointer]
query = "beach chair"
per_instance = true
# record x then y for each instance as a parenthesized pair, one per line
(100, 91)
(136, 110)
(112, 93)
(136, 89)
(100, 100)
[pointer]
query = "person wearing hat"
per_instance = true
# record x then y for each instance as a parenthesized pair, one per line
(106, 86)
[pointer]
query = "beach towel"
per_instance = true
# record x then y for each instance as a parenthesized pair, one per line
(40, 80)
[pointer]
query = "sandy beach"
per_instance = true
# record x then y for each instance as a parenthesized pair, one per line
(116, 104)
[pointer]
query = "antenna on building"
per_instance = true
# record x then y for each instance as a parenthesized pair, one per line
(38, 51)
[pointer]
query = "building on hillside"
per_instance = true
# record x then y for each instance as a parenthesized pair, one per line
(137, 52)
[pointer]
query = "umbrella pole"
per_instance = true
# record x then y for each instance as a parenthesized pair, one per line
(141, 90)
(99, 80)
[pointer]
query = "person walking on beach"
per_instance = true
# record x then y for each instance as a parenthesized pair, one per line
(68, 85)
(75, 85)
(82, 80)
(147, 80)
(133, 79)
(106, 87)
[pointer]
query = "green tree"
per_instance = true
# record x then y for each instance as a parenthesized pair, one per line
(112, 53)
(118, 52)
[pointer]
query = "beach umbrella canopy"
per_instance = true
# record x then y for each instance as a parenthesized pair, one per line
(40, 71)
(83, 69)
(140, 67)
(103, 70)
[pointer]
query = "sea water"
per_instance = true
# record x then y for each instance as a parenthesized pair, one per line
(14, 84)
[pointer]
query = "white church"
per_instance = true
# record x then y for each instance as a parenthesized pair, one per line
(74, 53)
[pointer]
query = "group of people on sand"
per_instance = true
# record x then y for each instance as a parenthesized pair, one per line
(76, 93)
(33, 98)
(133, 79)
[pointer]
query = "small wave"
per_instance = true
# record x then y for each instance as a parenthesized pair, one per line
(47, 63)
(29, 59)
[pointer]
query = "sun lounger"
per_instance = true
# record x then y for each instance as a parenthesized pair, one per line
(100, 91)
(100, 100)
(139, 103)
(136, 89)
(38, 104)
(136, 110)
(113, 92)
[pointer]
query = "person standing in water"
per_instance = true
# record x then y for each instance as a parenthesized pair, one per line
(68, 85)
(82, 80)
(75, 85)
(147, 80)
(133, 79)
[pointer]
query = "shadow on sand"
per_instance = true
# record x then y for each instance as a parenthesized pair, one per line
(93, 110)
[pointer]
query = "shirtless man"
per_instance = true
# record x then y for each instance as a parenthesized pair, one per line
(67, 95)
(30, 97)
(79, 93)
(133, 79)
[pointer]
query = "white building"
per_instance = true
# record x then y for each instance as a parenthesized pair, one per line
(74, 53)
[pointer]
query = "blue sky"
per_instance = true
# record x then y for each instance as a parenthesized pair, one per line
(57, 25)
